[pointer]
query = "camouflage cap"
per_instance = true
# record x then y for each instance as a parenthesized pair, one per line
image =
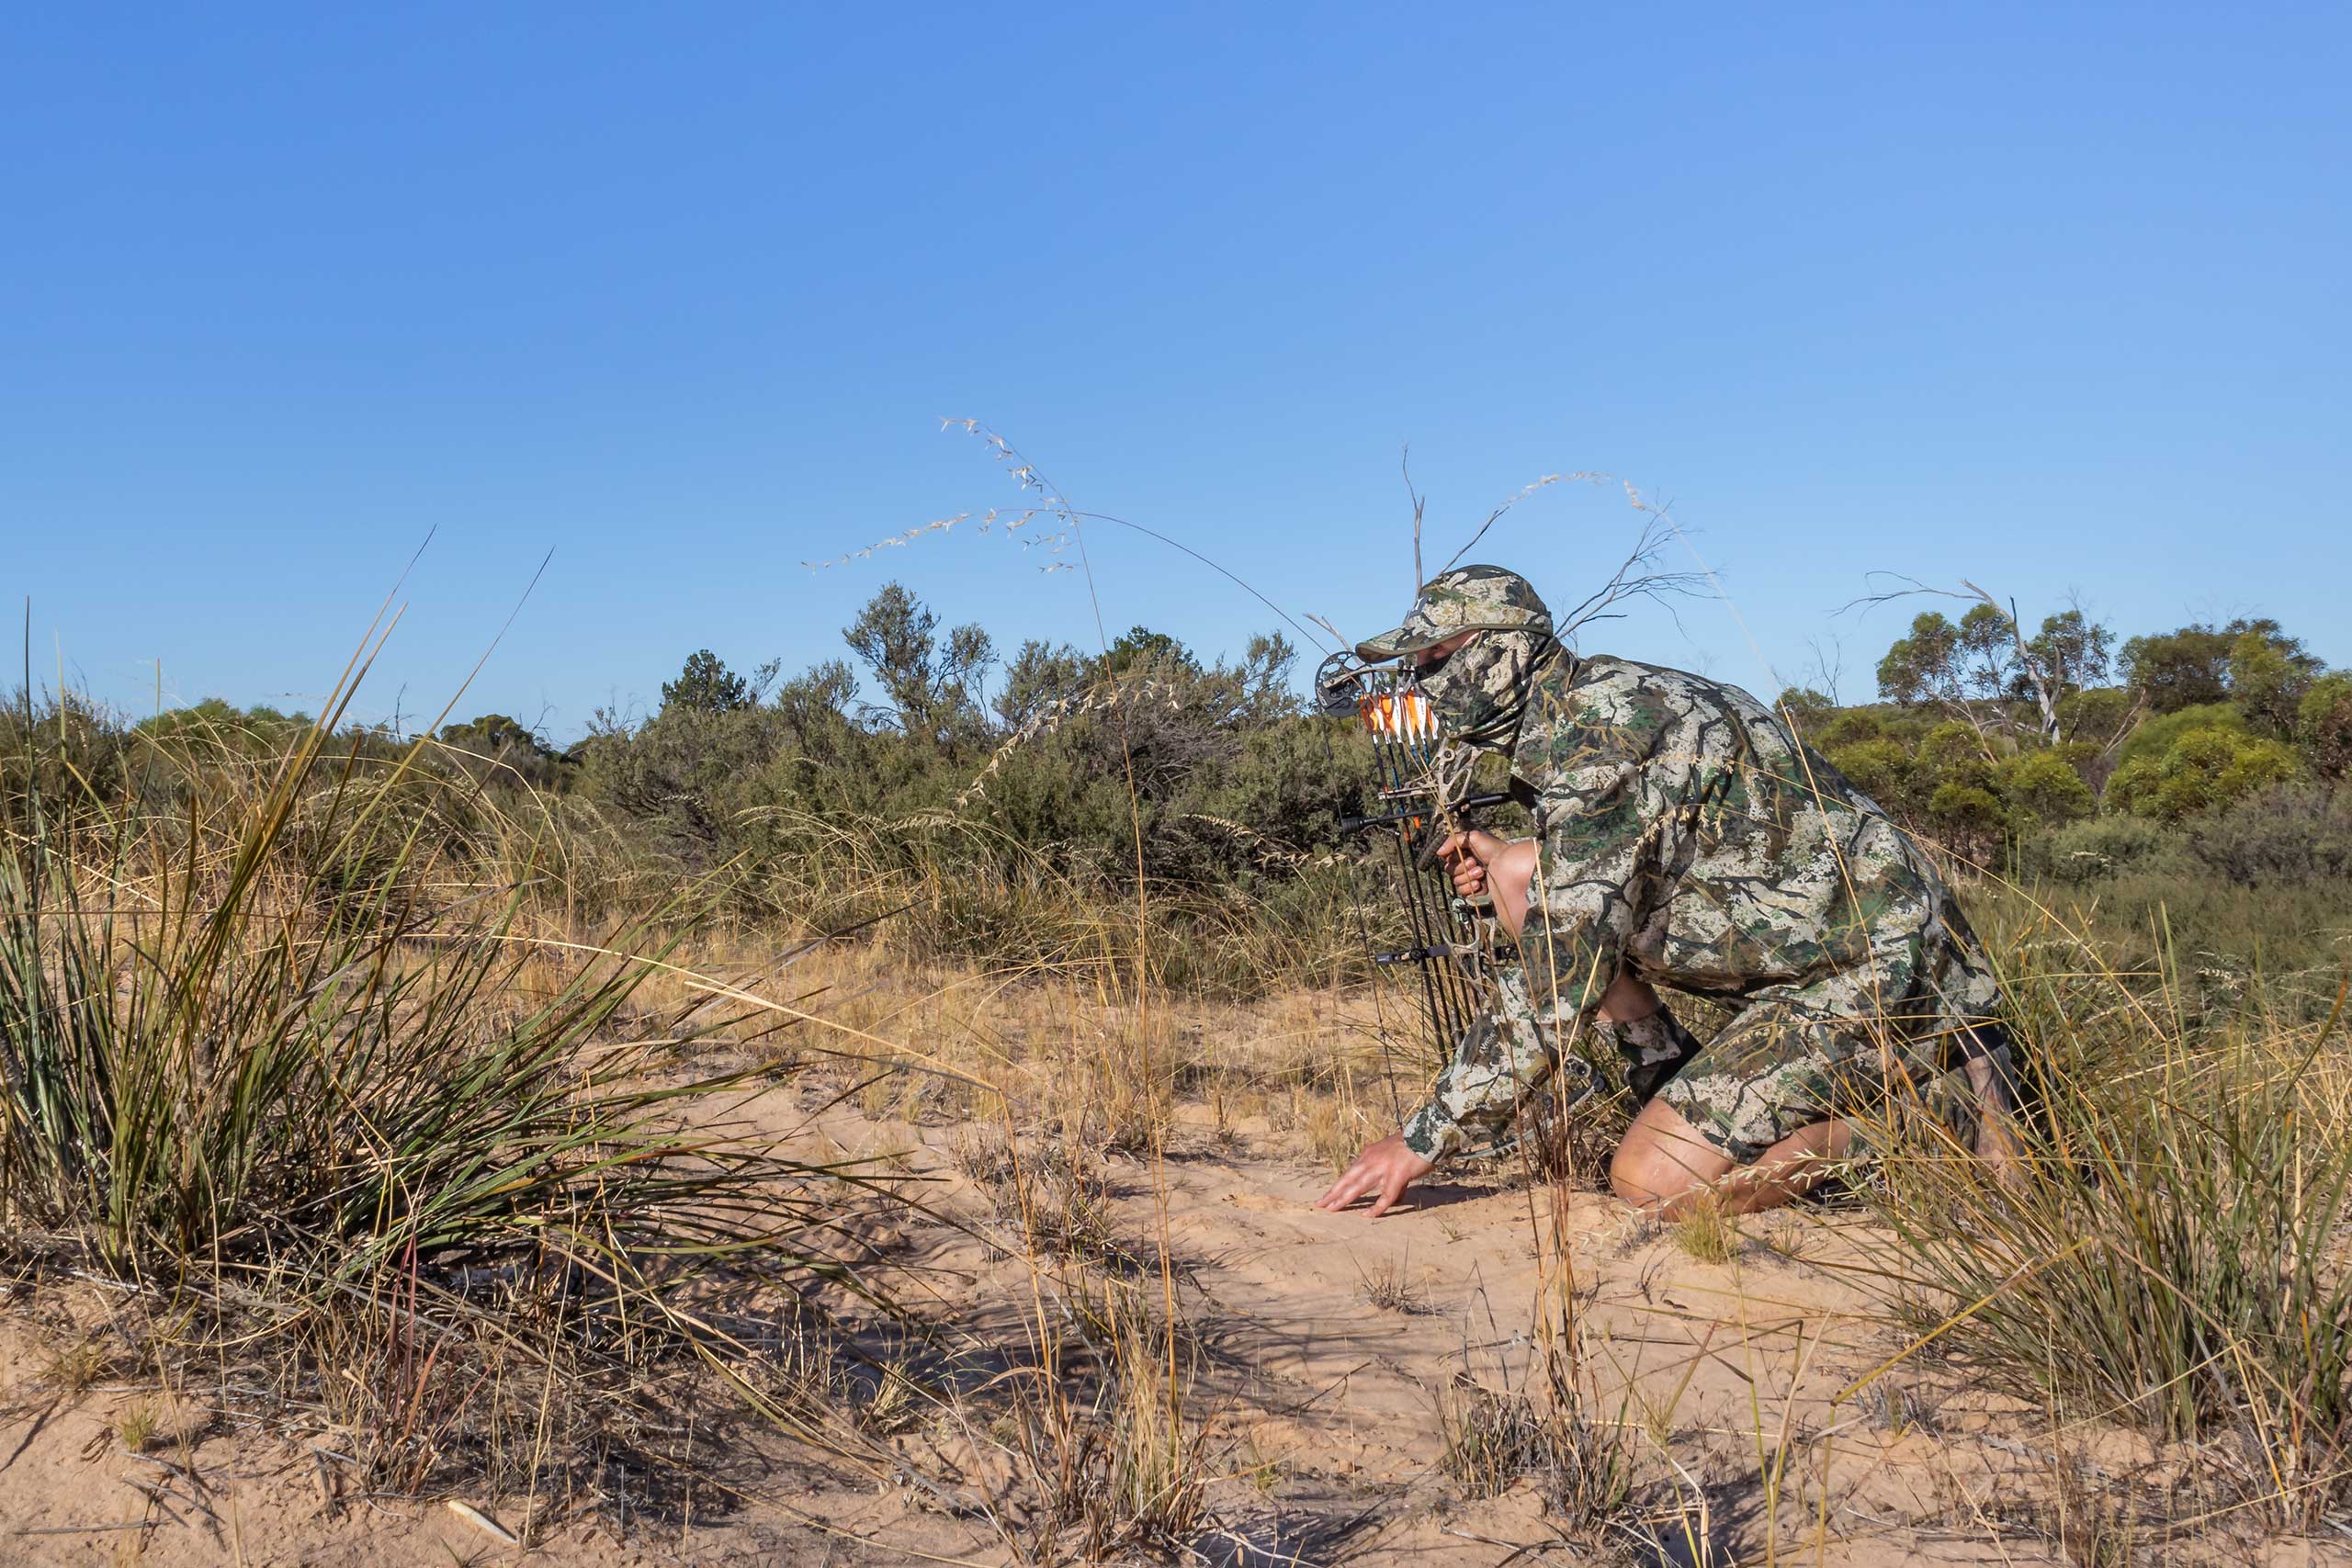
(1466, 599)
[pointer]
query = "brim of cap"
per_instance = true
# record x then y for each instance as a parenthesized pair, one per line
(1399, 643)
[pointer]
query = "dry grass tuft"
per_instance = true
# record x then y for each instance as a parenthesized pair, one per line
(1053, 1195)
(1707, 1232)
(135, 1425)
(1388, 1284)
(72, 1369)
(2093, 1526)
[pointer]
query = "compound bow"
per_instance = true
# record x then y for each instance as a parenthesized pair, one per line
(1422, 800)
(1420, 804)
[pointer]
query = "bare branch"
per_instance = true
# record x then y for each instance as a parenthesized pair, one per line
(1869, 602)
(2044, 698)
(1829, 668)
(1640, 575)
(1421, 503)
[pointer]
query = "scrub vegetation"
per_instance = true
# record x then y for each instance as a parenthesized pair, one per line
(557, 1127)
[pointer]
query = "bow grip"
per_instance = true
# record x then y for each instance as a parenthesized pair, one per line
(1428, 855)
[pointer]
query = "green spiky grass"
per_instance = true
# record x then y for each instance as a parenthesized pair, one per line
(330, 1101)
(2172, 1253)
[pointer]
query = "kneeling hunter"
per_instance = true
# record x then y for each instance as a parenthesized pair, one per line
(1684, 838)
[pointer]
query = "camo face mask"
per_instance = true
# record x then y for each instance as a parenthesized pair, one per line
(1479, 691)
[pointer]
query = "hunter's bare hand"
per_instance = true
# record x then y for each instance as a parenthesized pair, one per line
(1467, 855)
(1381, 1173)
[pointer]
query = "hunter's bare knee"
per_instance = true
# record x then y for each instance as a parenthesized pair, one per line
(1647, 1177)
(1663, 1161)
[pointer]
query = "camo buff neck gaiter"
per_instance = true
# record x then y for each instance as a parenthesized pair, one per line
(1479, 691)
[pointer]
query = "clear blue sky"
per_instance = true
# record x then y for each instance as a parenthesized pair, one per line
(2049, 296)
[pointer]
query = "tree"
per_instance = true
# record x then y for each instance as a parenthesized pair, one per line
(1989, 669)
(706, 685)
(1973, 667)
(933, 691)
(1140, 647)
(2074, 651)
(2197, 663)
(506, 745)
(2269, 675)
(1038, 678)
(815, 706)
(2187, 668)
(1264, 673)
(1925, 666)
(2324, 725)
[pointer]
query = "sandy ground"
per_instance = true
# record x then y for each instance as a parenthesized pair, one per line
(1322, 1401)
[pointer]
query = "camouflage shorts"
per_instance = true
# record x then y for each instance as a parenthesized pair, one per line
(1785, 1062)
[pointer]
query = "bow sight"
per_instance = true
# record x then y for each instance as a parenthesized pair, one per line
(1420, 803)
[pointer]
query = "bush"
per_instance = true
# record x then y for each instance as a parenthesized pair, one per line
(2045, 787)
(261, 1059)
(1879, 769)
(2182, 771)
(64, 751)
(1850, 726)
(2154, 736)
(1952, 745)
(2102, 847)
(2289, 833)
(2324, 725)
(1968, 811)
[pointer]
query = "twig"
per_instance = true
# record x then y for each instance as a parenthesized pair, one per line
(158, 1496)
(327, 1504)
(483, 1522)
(167, 1465)
(93, 1529)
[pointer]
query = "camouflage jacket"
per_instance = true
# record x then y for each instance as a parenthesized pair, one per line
(1687, 836)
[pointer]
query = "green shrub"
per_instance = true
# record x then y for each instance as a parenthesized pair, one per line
(497, 748)
(63, 751)
(1950, 745)
(1879, 769)
(2324, 725)
(2102, 847)
(1968, 812)
(2284, 834)
(1850, 726)
(2154, 736)
(2184, 771)
(2043, 785)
